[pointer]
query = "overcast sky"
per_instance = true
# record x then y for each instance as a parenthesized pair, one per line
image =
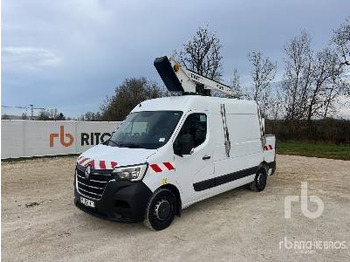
(71, 54)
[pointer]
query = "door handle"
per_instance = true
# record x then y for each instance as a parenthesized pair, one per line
(206, 157)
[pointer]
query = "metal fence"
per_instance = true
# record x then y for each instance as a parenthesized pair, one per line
(26, 138)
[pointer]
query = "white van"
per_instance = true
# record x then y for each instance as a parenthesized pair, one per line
(172, 152)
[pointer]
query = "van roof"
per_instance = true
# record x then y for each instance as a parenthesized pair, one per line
(194, 102)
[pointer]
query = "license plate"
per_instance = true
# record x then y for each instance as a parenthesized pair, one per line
(87, 202)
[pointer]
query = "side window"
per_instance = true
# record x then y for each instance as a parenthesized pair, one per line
(196, 125)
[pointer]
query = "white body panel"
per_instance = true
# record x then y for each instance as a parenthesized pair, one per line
(217, 174)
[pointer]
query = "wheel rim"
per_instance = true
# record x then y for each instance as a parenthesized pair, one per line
(261, 179)
(162, 210)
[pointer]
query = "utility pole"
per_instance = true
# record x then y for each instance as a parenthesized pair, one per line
(31, 112)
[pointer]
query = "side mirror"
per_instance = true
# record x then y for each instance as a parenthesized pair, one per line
(184, 145)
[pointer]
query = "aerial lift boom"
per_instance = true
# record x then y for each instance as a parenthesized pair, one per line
(179, 79)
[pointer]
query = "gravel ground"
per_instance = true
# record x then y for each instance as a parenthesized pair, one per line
(41, 223)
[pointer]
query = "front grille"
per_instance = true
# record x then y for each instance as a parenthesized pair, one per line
(94, 186)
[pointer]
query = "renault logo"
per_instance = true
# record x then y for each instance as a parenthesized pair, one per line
(87, 172)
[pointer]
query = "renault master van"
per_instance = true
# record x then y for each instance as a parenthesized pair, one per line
(172, 152)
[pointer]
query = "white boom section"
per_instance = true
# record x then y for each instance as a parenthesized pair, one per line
(189, 80)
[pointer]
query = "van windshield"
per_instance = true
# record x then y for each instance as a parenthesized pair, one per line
(147, 129)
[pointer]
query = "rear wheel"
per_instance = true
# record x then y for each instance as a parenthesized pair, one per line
(259, 182)
(160, 210)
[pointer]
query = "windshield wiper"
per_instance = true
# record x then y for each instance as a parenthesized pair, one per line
(110, 140)
(130, 145)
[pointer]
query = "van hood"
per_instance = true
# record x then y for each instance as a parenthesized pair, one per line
(108, 157)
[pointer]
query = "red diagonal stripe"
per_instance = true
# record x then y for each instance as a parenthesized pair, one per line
(270, 147)
(156, 168)
(113, 164)
(168, 165)
(266, 148)
(102, 164)
(82, 160)
(91, 163)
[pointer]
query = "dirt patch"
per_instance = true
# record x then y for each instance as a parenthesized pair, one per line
(32, 204)
(41, 223)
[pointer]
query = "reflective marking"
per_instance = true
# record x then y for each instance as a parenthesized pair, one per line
(91, 163)
(113, 164)
(102, 164)
(83, 160)
(156, 168)
(169, 166)
(267, 148)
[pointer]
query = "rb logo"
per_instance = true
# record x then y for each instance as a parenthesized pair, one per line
(62, 136)
(304, 204)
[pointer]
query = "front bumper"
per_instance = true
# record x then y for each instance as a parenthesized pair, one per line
(122, 201)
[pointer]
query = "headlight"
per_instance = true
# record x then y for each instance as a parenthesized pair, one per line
(131, 173)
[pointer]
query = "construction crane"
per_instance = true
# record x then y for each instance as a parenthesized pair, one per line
(31, 107)
(179, 79)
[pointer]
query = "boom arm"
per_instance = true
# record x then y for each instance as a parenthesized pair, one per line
(180, 79)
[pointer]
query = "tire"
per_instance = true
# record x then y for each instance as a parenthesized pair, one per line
(161, 209)
(259, 182)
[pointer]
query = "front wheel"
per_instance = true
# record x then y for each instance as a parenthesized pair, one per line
(160, 211)
(259, 182)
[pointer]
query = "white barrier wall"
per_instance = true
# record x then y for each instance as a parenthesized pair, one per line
(25, 138)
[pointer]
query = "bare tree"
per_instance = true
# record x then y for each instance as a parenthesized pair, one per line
(312, 82)
(24, 116)
(341, 39)
(202, 54)
(276, 106)
(60, 116)
(326, 83)
(263, 72)
(5, 117)
(130, 93)
(43, 115)
(91, 116)
(298, 74)
(322, 72)
(51, 114)
(236, 83)
(336, 87)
